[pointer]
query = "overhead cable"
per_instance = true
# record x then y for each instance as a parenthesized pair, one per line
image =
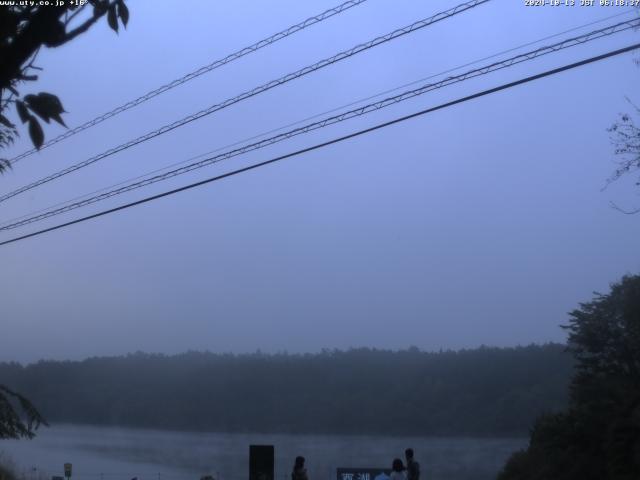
(539, 52)
(331, 142)
(317, 115)
(263, 88)
(195, 74)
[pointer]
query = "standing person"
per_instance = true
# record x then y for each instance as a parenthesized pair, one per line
(299, 472)
(413, 467)
(397, 470)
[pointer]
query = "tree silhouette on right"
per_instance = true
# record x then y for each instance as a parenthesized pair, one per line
(598, 437)
(625, 137)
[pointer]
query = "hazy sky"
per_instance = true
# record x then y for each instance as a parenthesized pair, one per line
(484, 223)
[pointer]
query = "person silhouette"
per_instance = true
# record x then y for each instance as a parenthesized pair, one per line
(299, 472)
(397, 470)
(413, 467)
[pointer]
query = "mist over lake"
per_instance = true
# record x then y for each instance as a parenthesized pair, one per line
(111, 453)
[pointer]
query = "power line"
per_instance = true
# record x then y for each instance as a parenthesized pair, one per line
(317, 115)
(331, 142)
(263, 88)
(567, 43)
(196, 73)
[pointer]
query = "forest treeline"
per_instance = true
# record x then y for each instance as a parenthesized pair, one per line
(484, 391)
(597, 437)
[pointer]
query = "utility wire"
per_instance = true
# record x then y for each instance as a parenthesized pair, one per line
(267, 86)
(196, 73)
(571, 42)
(317, 115)
(333, 141)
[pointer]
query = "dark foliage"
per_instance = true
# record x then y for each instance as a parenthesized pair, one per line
(18, 417)
(7, 471)
(24, 29)
(486, 391)
(625, 137)
(598, 437)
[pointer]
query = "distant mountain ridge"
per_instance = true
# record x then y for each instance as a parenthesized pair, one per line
(478, 392)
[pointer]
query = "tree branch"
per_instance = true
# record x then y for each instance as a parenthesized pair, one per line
(84, 26)
(621, 210)
(74, 14)
(11, 423)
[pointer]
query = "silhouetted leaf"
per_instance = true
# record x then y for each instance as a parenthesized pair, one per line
(7, 136)
(53, 102)
(99, 7)
(112, 18)
(4, 121)
(46, 105)
(35, 106)
(35, 132)
(5, 165)
(58, 119)
(23, 113)
(123, 12)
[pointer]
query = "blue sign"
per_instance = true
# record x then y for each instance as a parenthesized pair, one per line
(363, 473)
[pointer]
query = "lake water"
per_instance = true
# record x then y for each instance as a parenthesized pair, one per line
(109, 453)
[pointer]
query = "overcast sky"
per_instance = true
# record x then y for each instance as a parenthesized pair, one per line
(483, 223)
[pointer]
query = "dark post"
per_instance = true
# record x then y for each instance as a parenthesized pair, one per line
(261, 462)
